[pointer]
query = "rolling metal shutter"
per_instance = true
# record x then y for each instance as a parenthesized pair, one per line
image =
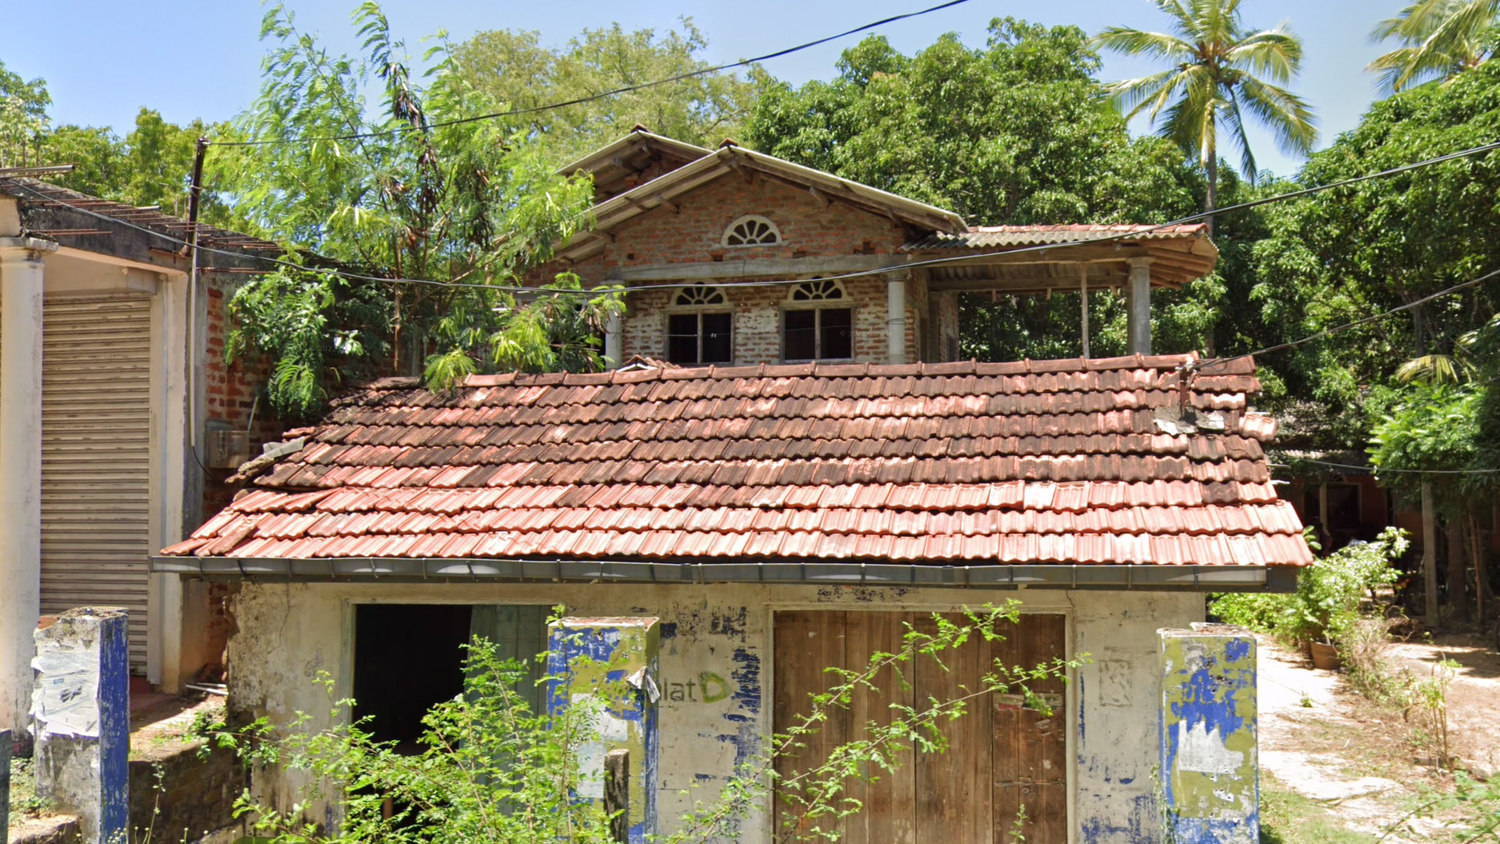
(96, 457)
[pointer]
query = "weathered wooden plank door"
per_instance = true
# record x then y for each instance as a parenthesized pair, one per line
(1001, 756)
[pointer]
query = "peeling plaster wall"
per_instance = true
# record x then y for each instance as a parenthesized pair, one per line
(716, 672)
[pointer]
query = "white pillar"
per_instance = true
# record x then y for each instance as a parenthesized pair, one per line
(614, 341)
(20, 470)
(1138, 304)
(895, 318)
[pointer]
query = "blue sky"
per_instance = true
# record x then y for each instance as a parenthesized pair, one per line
(103, 59)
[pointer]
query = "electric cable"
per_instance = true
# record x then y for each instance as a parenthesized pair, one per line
(595, 97)
(1109, 238)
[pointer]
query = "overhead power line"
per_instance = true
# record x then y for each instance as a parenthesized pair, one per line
(1110, 238)
(600, 96)
(1371, 470)
(1338, 329)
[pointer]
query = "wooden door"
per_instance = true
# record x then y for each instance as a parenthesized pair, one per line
(1001, 755)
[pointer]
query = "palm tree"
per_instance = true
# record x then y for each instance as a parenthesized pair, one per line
(1438, 38)
(1219, 73)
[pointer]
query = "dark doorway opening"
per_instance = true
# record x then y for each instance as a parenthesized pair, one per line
(407, 658)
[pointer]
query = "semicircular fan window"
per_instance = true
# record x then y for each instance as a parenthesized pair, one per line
(817, 290)
(699, 295)
(752, 231)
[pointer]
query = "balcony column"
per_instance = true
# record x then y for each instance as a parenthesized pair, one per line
(20, 470)
(1138, 305)
(895, 317)
(614, 341)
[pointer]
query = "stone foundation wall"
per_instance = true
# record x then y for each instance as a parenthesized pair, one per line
(179, 796)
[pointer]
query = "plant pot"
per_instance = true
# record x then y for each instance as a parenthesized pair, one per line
(1325, 656)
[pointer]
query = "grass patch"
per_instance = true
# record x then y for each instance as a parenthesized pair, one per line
(23, 800)
(1287, 817)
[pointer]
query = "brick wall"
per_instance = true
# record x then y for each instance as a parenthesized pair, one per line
(809, 229)
(757, 322)
(230, 396)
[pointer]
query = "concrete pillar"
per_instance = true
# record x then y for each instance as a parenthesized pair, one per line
(20, 469)
(614, 341)
(1138, 306)
(1083, 304)
(895, 318)
(1210, 767)
(618, 658)
(81, 707)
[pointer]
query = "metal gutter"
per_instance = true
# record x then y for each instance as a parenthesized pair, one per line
(1149, 577)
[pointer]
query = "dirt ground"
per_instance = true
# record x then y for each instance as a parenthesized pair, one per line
(1325, 743)
(1473, 698)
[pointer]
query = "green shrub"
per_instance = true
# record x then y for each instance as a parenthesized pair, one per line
(1330, 596)
(1258, 611)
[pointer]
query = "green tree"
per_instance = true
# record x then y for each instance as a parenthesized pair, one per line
(1438, 39)
(23, 118)
(1019, 131)
(516, 71)
(1219, 72)
(461, 209)
(1359, 250)
(1014, 132)
(149, 166)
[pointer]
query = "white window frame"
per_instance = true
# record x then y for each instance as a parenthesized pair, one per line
(698, 311)
(842, 302)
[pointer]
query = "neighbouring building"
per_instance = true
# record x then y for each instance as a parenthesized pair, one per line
(787, 472)
(119, 421)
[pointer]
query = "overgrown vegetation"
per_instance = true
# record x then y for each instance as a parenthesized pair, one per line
(1333, 596)
(491, 769)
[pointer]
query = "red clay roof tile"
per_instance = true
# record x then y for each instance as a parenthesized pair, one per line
(1034, 461)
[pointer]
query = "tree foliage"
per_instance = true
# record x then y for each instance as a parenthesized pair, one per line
(1018, 131)
(516, 71)
(23, 118)
(1359, 250)
(442, 218)
(1015, 132)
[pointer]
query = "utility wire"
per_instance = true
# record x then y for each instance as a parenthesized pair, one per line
(1110, 238)
(1371, 470)
(1328, 332)
(600, 96)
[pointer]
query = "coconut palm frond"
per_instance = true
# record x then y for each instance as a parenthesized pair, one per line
(1138, 42)
(1288, 116)
(1437, 40)
(1436, 369)
(1275, 54)
(1235, 122)
(1223, 74)
(1148, 93)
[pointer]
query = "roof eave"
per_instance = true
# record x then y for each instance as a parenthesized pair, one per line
(1070, 576)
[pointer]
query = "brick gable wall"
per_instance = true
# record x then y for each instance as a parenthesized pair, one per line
(809, 229)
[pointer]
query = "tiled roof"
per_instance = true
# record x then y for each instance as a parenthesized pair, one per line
(988, 237)
(1031, 462)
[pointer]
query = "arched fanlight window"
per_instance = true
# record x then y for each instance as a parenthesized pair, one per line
(817, 290)
(817, 322)
(698, 296)
(700, 331)
(752, 230)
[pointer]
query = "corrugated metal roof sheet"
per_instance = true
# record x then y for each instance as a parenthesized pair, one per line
(992, 237)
